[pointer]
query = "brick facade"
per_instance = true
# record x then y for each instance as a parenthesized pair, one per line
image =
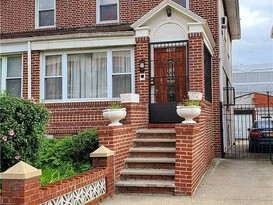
(196, 145)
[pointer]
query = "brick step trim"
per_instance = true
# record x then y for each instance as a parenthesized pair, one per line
(148, 172)
(150, 160)
(153, 149)
(146, 183)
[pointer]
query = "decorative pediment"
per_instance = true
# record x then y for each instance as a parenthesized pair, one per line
(171, 22)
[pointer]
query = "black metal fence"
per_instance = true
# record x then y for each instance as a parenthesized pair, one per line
(247, 127)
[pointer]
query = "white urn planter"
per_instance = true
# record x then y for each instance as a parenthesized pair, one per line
(188, 113)
(114, 115)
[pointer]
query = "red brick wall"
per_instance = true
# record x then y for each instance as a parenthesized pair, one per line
(142, 53)
(19, 16)
(119, 138)
(29, 192)
(208, 9)
(194, 151)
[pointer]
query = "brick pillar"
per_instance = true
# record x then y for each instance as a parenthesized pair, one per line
(103, 158)
(20, 185)
(142, 53)
(186, 135)
(196, 62)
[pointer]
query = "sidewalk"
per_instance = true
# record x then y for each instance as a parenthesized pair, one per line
(227, 182)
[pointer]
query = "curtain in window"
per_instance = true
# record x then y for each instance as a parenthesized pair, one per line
(1, 74)
(53, 77)
(121, 72)
(87, 76)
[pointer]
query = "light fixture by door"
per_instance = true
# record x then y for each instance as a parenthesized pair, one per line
(169, 11)
(141, 66)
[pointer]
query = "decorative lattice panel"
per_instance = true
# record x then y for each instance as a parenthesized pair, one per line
(80, 196)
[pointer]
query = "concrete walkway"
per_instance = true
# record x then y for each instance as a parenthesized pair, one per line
(227, 182)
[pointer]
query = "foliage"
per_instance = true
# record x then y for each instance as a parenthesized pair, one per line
(116, 105)
(22, 126)
(190, 103)
(66, 157)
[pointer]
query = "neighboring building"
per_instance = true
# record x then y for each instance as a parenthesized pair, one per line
(253, 78)
(79, 56)
(271, 35)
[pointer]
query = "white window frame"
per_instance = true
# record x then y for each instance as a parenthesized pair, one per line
(5, 72)
(64, 75)
(98, 13)
(37, 11)
(187, 4)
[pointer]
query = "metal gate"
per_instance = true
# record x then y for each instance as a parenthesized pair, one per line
(168, 80)
(247, 127)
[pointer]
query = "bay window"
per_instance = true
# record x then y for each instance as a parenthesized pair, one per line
(75, 76)
(11, 75)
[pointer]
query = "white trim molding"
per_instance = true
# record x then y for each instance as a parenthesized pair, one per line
(175, 27)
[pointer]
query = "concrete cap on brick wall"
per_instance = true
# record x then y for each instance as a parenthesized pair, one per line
(21, 170)
(102, 152)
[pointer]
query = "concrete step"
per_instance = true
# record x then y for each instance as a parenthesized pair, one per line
(150, 160)
(145, 183)
(148, 174)
(153, 142)
(156, 133)
(150, 163)
(153, 149)
(145, 172)
(146, 186)
(158, 152)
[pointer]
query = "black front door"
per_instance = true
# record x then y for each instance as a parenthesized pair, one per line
(168, 81)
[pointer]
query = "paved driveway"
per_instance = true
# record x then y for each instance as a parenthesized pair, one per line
(227, 182)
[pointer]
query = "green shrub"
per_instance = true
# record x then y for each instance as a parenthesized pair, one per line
(22, 125)
(83, 144)
(66, 157)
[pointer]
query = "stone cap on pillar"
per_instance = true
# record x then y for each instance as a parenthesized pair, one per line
(102, 151)
(21, 170)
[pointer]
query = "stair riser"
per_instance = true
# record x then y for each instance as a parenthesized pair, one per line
(150, 165)
(156, 135)
(152, 154)
(147, 177)
(154, 144)
(145, 190)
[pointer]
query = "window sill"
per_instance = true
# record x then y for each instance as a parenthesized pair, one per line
(45, 27)
(78, 100)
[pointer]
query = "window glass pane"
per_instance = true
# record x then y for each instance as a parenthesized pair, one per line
(46, 4)
(87, 75)
(46, 18)
(121, 84)
(14, 66)
(108, 12)
(121, 62)
(53, 66)
(53, 88)
(181, 2)
(14, 87)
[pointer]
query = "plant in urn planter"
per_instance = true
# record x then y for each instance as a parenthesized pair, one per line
(114, 113)
(189, 109)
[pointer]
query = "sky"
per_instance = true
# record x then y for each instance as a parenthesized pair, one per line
(255, 45)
